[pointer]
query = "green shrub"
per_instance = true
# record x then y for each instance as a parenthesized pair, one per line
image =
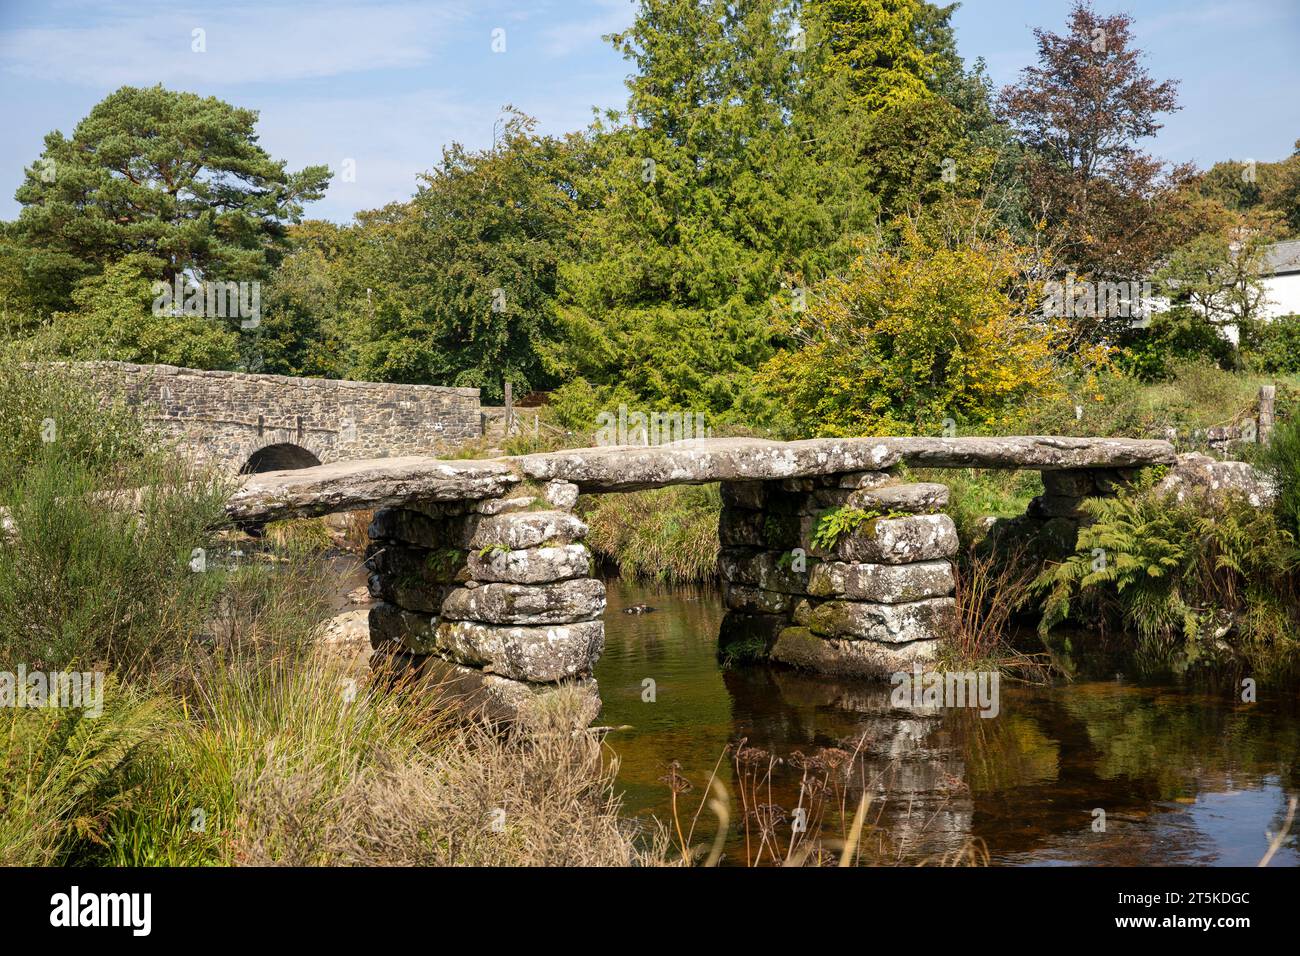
(49, 414)
(1220, 576)
(1275, 346)
(94, 575)
(1281, 461)
(1181, 334)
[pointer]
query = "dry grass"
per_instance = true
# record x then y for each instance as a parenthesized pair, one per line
(539, 794)
(992, 586)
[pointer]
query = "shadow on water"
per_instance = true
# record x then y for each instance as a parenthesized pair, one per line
(1183, 774)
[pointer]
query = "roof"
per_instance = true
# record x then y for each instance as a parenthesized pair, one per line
(1282, 257)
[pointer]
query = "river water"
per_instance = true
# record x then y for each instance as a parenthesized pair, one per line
(1093, 772)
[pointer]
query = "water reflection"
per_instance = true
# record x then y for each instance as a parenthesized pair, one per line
(1183, 775)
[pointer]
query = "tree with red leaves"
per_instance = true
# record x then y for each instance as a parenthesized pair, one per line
(1112, 210)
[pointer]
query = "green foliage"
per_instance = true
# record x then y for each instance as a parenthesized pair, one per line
(174, 176)
(113, 318)
(86, 579)
(1281, 461)
(877, 44)
(1275, 346)
(470, 267)
(1181, 333)
(304, 303)
(64, 772)
(975, 495)
(1166, 569)
(57, 403)
(719, 189)
(837, 523)
(1272, 191)
(912, 337)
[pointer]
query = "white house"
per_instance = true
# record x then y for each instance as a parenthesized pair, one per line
(1282, 279)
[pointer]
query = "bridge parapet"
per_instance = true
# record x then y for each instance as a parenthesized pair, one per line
(227, 417)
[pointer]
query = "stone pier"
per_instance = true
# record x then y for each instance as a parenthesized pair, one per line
(870, 602)
(492, 597)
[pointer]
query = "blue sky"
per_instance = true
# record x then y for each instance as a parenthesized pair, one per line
(388, 83)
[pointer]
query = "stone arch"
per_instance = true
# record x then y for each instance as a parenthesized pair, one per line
(280, 456)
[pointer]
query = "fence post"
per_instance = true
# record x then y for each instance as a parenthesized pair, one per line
(510, 408)
(1267, 400)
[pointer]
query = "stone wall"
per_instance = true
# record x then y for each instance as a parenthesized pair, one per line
(228, 416)
(876, 600)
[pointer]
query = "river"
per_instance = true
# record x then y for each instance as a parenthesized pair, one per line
(1093, 772)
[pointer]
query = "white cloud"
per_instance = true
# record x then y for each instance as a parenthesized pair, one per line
(245, 44)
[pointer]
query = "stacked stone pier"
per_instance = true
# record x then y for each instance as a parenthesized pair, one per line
(491, 597)
(484, 580)
(869, 601)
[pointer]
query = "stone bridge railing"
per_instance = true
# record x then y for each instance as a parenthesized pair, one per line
(248, 422)
(484, 582)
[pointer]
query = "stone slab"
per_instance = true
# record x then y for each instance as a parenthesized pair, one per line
(882, 583)
(799, 647)
(531, 565)
(499, 699)
(535, 654)
(928, 619)
(579, 599)
(348, 486)
(751, 600)
(904, 540)
(768, 570)
(373, 483)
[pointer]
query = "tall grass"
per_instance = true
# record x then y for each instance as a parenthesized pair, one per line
(227, 736)
(1281, 461)
(665, 534)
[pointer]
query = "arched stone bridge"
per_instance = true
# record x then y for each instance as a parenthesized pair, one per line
(485, 585)
(255, 423)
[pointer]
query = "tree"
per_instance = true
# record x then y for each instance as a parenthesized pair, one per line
(1220, 275)
(881, 45)
(1269, 191)
(113, 318)
(914, 336)
(303, 329)
(172, 177)
(716, 194)
(1080, 113)
(459, 284)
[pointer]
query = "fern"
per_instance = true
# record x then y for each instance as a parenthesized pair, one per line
(1168, 569)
